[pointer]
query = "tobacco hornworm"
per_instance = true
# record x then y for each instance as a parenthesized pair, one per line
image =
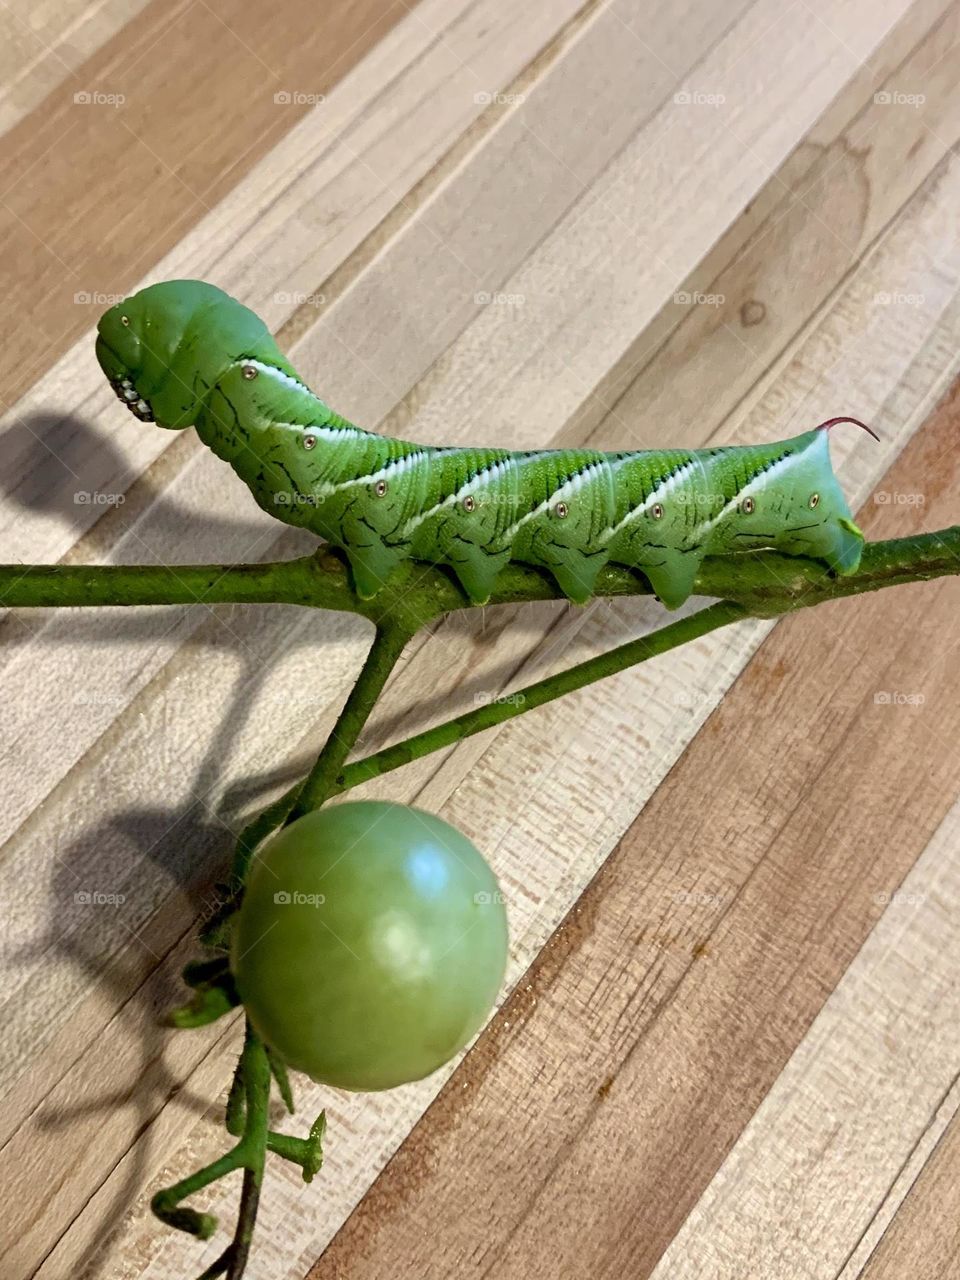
(184, 353)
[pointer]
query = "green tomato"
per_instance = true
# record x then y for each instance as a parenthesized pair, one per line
(370, 945)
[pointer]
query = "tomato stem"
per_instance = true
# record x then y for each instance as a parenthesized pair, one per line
(535, 695)
(321, 781)
(761, 584)
(249, 1154)
(764, 582)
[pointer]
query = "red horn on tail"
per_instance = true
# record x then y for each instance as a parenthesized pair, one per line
(832, 422)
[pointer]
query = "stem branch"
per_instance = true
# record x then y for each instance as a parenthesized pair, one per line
(535, 695)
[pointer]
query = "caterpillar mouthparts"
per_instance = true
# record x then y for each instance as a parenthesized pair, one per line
(134, 401)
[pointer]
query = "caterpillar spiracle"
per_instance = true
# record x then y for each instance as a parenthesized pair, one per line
(183, 353)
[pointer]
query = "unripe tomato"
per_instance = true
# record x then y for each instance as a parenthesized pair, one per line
(370, 945)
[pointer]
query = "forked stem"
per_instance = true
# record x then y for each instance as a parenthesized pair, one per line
(762, 585)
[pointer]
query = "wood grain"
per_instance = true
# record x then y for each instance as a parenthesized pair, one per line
(124, 115)
(274, 241)
(600, 740)
(44, 43)
(923, 1240)
(594, 1111)
(540, 152)
(812, 1180)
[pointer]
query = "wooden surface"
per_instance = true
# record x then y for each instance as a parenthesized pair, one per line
(727, 1042)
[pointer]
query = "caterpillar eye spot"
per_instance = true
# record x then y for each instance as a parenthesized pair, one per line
(657, 511)
(561, 510)
(380, 488)
(748, 506)
(469, 503)
(249, 372)
(309, 442)
(814, 501)
(125, 320)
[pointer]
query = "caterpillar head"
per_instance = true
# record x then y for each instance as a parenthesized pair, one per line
(817, 521)
(166, 346)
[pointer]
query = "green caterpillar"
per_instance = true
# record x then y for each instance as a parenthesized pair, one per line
(184, 353)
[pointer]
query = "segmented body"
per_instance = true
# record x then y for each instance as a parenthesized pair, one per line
(384, 500)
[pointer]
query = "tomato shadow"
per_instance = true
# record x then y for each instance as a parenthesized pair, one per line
(127, 896)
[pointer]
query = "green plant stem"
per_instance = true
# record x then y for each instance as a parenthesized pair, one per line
(535, 695)
(764, 582)
(761, 585)
(249, 1154)
(321, 781)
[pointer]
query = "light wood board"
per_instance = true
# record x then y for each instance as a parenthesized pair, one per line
(726, 873)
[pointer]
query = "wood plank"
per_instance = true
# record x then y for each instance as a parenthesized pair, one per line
(44, 44)
(863, 173)
(594, 745)
(924, 1240)
(550, 357)
(596, 1108)
(551, 889)
(515, 147)
(160, 134)
(862, 1094)
(158, 534)
(274, 241)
